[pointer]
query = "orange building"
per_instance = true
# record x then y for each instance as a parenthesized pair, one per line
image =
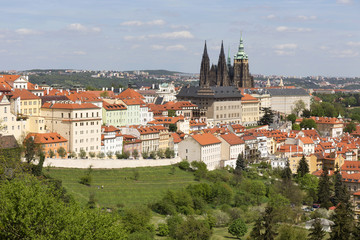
(50, 141)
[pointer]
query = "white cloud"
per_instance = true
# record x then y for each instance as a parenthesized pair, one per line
(78, 27)
(173, 35)
(305, 18)
(345, 53)
(174, 26)
(135, 46)
(177, 47)
(286, 46)
(344, 1)
(157, 47)
(324, 47)
(79, 52)
(131, 38)
(284, 53)
(290, 29)
(26, 31)
(157, 22)
(353, 44)
(271, 16)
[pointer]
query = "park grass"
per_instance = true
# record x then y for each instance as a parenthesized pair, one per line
(120, 189)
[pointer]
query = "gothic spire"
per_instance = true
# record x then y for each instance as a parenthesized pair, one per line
(204, 69)
(222, 73)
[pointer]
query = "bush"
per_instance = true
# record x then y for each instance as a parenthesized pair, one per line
(118, 155)
(62, 152)
(145, 155)
(184, 165)
(163, 229)
(238, 228)
(153, 154)
(82, 154)
(160, 153)
(51, 153)
(109, 154)
(135, 153)
(100, 155)
(86, 180)
(92, 154)
(193, 229)
(126, 155)
(222, 219)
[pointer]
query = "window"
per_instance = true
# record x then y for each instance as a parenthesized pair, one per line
(5, 110)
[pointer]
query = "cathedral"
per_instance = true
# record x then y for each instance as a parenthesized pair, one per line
(224, 74)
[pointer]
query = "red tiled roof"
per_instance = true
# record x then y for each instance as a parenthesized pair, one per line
(113, 107)
(69, 105)
(232, 139)
(84, 97)
(206, 139)
(109, 128)
(133, 101)
(176, 137)
(248, 98)
(130, 93)
(306, 140)
(23, 94)
(44, 138)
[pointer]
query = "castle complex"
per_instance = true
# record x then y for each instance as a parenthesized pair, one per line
(224, 74)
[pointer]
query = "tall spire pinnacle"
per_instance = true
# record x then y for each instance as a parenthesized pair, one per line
(204, 69)
(241, 53)
(229, 58)
(205, 50)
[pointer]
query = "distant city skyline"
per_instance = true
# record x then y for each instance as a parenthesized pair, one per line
(293, 38)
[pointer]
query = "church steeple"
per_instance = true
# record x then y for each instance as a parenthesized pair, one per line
(229, 58)
(204, 69)
(268, 83)
(222, 78)
(241, 53)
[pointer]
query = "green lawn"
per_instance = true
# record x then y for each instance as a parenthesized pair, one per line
(120, 186)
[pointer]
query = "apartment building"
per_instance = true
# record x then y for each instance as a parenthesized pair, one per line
(50, 142)
(78, 122)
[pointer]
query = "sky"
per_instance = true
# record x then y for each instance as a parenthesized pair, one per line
(291, 38)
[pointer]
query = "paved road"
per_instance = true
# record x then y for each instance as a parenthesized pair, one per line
(108, 163)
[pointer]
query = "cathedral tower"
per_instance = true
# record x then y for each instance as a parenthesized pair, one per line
(205, 69)
(242, 77)
(222, 76)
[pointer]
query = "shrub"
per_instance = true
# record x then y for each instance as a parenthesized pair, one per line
(145, 155)
(109, 154)
(163, 229)
(153, 154)
(100, 155)
(118, 155)
(135, 153)
(238, 228)
(92, 154)
(86, 180)
(62, 152)
(184, 165)
(160, 153)
(222, 219)
(51, 153)
(126, 155)
(82, 154)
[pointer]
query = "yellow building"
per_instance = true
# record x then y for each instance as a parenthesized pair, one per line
(311, 161)
(25, 103)
(249, 110)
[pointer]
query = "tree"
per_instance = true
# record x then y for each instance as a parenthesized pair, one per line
(137, 219)
(172, 127)
(317, 110)
(51, 153)
(267, 118)
(126, 154)
(92, 154)
(240, 163)
(296, 127)
(153, 154)
(82, 154)
(109, 154)
(100, 155)
(324, 189)
(62, 152)
(339, 189)
(193, 229)
(171, 113)
(316, 232)
(298, 107)
(286, 173)
(308, 123)
(168, 153)
(104, 94)
(306, 113)
(343, 219)
(135, 153)
(257, 229)
(145, 155)
(303, 167)
(291, 117)
(160, 153)
(30, 149)
(200, 169)
(37, 170)
(237, 228)
(350, 127)
(269, 233)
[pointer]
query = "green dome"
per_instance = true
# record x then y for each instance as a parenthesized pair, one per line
(241, 54)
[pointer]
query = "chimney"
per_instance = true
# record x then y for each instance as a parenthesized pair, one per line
(112, 89)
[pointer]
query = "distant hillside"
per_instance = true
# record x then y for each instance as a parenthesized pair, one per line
(160, 72)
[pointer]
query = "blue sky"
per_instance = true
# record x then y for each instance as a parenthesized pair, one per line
(294, 38)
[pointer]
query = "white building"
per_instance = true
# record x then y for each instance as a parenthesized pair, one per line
(202, 147)
(80, 123)
(111, 140)
(307, 144)
(231, 147)
(167, 92)
(283, 99)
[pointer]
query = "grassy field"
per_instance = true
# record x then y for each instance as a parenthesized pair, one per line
(119, 185)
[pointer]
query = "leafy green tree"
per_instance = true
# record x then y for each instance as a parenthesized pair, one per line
(171, 113)
(51, 153)
(173, 223)
(329, 109)
(82, 153)
(168, 153)
(238, 228)
(267, 118)
(137, 219)
(160, 153)
(153, 154)
(100, 155)
(292, 117)
(295, 127)
(145, 155)
(135, 153)
(62, 152)
(172, 127)
(193, 229)
(109, 154)
(30, 149)
(92, 201)
(200, 170)
(309, 183)
(118, 154)
(303, 167)
(184, 165)
(298, 107)
(104, 94)
(317, 232)
(37, 170)
(308, 123)
(339, 189)
(317, 110)
(306, 113)
(324, 189)
(163, 229)
(126, 155)
(350, 127)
